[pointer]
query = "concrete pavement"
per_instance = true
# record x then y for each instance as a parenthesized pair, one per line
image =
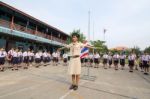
(52, 82)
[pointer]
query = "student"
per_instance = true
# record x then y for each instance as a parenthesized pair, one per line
(3, 55)
(26, 59)
(146, 60)
(110, 60)
(131, 61)
(15, 59)
(116, 60)
(49, 57)
(91, 58)
(20, 57)
(122, 60)
(31, 57)
(55, 58)
(141, 62)
(86, 60)
(82, 61)
(65, 59)
(74, 68)
(96, 59)
(9, 56)
(105, 59)
(58, 57)
(41, 56)
(37, 59)
(45, 57)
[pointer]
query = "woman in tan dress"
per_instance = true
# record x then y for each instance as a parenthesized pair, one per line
(74, 68)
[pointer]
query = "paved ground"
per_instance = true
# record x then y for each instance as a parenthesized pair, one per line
(52, 82)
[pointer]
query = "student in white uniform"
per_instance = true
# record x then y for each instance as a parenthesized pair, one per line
(141, 62)
(20, 57)
(109, 60)
(65, 58)
(96, 60)
(31, 57)
(3, 55)
(49, 57)
(9, 56)
(45, 57)
(55, 58)
(131, 61)
(116, 60)
(41, 56)
(37, 59)
(15, 59)
(86, 60)
(146, 60)
(91, 58)
(74, 68)
(58, 57)
(105, 60)
(122, 60)
(26, 59)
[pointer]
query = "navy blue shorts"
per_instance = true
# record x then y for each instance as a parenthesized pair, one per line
(26, 59)
(131, 63)
(15, 60)
(145, 64)
(122, 62)
(105, 61)
(2, 60)
(37, 60)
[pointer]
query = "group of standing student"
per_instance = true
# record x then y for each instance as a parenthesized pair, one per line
(109, 59)
(144, 63)
(17, 58)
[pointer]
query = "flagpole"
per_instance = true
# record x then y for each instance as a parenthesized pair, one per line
(88, 77)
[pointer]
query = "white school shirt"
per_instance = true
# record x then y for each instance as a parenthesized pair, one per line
(3, 53)
(96, 56)
(20, 54)
(10, 52)
(109, 57)
(105, 56)
(132, 57)
(146, 58)
(55, 54)
(65, 56)
(48, 55)
(45, 54)
(15, 54)
(116, 56)
(37, 55)
(40, 53)
(25, 54)
(122, 56)
(91, 56)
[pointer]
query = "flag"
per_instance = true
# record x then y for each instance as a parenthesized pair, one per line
(84, 51)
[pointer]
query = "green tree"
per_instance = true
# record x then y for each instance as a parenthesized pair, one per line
(136, 49)
(102, 48)
(147, 49)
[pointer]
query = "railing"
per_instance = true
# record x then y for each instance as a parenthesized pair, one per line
(18, 27)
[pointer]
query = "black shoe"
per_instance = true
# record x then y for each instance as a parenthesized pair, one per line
(146, 73)
(71, 87)
(131, 71)
(75, 87)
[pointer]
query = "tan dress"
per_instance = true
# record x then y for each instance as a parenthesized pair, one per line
(75, 63)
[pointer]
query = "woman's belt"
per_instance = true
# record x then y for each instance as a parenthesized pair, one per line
(75, 56)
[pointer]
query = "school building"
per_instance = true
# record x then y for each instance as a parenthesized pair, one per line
(18, 29)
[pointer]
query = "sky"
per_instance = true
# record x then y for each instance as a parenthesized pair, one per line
(127, 21)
